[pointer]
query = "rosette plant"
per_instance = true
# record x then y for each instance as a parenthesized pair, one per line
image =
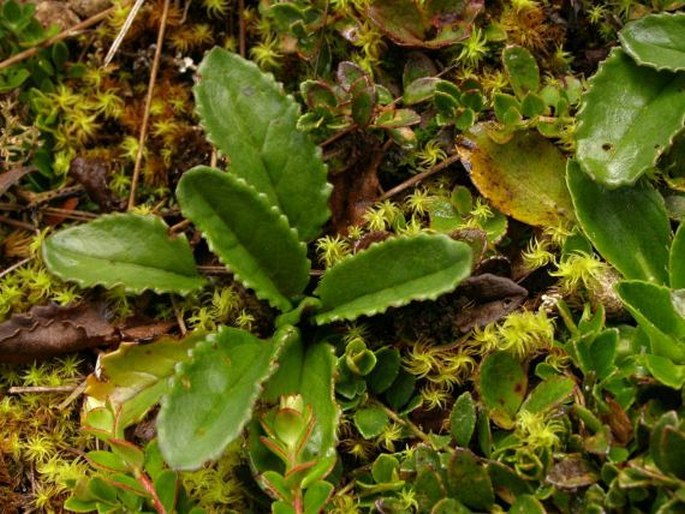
(257, 217)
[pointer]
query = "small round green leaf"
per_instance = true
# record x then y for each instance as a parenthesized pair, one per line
(502, 385)
(656, 40)
(522, 70)
(126, 250)
(463, 419)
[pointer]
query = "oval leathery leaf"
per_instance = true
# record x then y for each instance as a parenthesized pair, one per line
(656, 40)
(502, 384)
(391, 274)
(126, 250)
(211, 396)
(523, 177)
(249, 235)
(628, 226)
(249, 118)
(627, 119)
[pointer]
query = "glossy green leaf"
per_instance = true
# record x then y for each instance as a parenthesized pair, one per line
(549, 394)
(677, 259)
(665, 371)
(656, 40)
(134, 377)
(248, 234)
(249, 118)
(502, 384)
(627, 119)
(522, 70)
(126, 250)
(463, 419)
(523, 177)
(628, 226)
(391, 274)
(212, 395)
(652, 307)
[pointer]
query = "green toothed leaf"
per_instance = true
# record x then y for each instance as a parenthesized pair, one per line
(249, 118)
(212, 395)
(627, 119)
(656, 41)
(391, 274)
(248, 234)
(126, 250)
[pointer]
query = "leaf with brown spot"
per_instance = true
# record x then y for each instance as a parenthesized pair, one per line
(524, 177)
(49, 330)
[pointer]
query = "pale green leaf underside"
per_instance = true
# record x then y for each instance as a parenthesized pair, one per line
(391, 274)
(657, 40)
(250, 119)
(248, 234)
(212, 395)
(628, 226)
(126, 250)
(134, 377)
(627, 119)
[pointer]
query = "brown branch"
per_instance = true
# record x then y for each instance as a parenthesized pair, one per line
(71, 31)
(421, 176)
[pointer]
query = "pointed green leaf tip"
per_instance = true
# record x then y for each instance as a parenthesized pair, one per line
(392, 274)
(126, 250)
(212, 395)
(250, 119)
(250, 236)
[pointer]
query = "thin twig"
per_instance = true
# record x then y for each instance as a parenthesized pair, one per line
(122, 33)
(70, 214)
(179, 227)
(78, 391)
(421, 176)
(57, 38)
(15, 266)
(148, 104)
(213, 270)
(241, 28)
(41, 389)
(16, 223)
(179, 317)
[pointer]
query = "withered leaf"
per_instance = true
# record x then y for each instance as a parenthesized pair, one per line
(11, 177)
(571, 473)
(494, 297)
(92, 175)
(48, 330)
